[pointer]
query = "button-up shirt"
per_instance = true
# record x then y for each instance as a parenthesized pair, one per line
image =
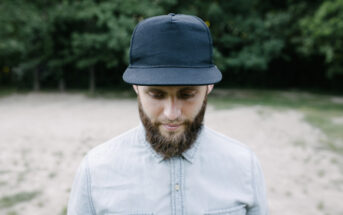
(216, 176)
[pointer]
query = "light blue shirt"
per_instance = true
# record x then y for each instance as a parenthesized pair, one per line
(216, 176)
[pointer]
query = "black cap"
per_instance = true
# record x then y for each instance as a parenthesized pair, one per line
(172, 49)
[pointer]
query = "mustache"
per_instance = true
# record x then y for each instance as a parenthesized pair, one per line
(173, 122)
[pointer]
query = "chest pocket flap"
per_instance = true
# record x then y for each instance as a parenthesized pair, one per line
(237, 210)
(130, 213)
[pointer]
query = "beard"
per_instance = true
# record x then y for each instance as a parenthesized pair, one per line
(173, 145)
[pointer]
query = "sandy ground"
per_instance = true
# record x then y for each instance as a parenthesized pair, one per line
(44, 136)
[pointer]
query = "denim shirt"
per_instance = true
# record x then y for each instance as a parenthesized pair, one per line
(216, 176)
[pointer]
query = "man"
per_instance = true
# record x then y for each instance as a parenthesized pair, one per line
(171, 164)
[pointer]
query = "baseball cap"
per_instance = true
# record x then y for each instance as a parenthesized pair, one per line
(173, 49)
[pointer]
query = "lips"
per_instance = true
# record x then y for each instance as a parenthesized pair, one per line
(171, 127)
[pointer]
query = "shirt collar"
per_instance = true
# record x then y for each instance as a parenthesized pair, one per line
(187, 155)
(190, 153)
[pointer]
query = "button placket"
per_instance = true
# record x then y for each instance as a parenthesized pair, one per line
(176, 180)
(177, 187)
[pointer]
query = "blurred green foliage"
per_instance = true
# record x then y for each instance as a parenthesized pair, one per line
(256, 43)
(323, 34)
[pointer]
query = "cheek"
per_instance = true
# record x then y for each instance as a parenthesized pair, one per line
(190, 110)
(152, 109)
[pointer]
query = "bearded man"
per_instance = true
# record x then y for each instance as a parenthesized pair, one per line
(171, 164)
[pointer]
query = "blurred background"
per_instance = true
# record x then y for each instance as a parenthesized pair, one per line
(61, 93)
(84, 44)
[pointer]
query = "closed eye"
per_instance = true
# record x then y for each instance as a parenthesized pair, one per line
(156, 95)
(187, 94)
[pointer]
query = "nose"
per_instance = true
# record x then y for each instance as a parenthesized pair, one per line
(172, 109)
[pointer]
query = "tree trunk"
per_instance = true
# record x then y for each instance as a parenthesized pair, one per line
(91, 81)
(61, 85)
(61, 82)
(36, 85)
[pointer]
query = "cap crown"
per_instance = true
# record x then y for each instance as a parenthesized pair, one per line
(171, 50)
(171, 41)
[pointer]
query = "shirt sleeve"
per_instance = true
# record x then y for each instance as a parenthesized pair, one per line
(80, 200)
(260, 205)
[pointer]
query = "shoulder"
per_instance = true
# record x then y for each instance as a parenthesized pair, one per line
(225, 148)
(114, 148)
(221, 141)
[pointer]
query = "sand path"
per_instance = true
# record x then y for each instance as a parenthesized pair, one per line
(44, 136)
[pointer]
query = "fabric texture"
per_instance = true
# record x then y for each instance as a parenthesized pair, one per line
(216, 176)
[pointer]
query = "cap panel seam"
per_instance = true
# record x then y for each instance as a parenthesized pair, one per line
(208, 36)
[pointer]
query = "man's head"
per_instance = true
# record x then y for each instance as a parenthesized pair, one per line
(172, 72)
(172, 115)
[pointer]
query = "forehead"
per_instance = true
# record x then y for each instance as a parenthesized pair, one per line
(172, 89)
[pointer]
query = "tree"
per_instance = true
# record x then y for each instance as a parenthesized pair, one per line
(103, 33)
(25, 40)
(322, 33)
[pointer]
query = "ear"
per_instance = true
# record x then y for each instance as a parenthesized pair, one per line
(209, 88)
(135, 87)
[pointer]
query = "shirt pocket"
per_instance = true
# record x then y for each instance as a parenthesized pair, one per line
(237, 210)
(130, 213)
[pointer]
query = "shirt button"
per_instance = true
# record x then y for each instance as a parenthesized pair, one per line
(177, 187)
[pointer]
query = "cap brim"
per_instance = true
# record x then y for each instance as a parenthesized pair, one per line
(172, 76)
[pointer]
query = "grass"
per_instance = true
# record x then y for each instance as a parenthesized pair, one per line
(113, 94)
(320, 206)
(319, 109)
(64, 211)
(224, 99)
(52, 175)
(3, 183)
(11, 200)
(6, 91)
(321, 173)
(300, 143)
(324, 121)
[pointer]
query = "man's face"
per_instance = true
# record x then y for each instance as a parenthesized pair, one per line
(172, 115)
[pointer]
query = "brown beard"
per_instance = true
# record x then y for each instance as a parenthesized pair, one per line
(173, 145)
